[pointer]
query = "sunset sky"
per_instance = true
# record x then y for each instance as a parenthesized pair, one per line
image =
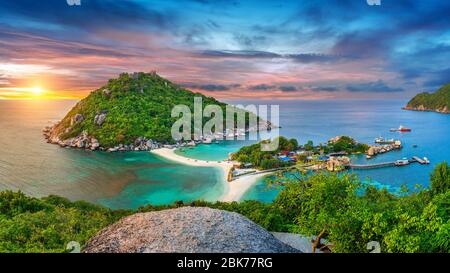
(227, 49)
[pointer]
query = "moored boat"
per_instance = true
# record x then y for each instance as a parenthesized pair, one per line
(401, 129)
(402, 162)
(382, 140)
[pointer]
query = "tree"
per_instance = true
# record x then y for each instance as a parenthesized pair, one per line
(309, 146)
(440, 178)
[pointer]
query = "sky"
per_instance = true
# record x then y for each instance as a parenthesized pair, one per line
(304, 49)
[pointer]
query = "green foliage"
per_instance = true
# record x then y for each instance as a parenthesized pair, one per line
(265, 159)
(417, 222)
(434, 101)
(440, 178)
(137, 106)
(46, 225)
(347, 144)
(309, 146)
(350, 214)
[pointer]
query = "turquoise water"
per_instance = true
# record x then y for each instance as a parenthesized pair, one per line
(128, 180)
(117, 180)
(212, 152)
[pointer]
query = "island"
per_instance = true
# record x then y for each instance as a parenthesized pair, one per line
(332, 155)
(438, 101)
(131, 113)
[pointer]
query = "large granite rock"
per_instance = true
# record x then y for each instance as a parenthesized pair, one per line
(186, 230)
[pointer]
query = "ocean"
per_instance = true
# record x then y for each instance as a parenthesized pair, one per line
(129, 180)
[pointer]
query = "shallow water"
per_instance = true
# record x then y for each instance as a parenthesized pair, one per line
(118, 180)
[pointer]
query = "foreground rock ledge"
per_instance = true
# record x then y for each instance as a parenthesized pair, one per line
(186, 230)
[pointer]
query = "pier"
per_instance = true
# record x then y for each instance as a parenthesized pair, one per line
(387, 164)
(420, 160)
(371, 166)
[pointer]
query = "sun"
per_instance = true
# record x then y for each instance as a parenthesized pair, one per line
(37, 91)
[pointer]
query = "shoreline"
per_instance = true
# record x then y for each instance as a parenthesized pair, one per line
(233, 191)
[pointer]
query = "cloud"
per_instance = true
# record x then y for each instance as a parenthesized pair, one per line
(325, 88)
(288, 88)
(377, 87)
(261, 87)
(92, 14)
(315, 57)
(246, 54)
(211, 87)
(438, 78)
(254, 54)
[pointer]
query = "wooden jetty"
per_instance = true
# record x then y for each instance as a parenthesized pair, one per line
(387, 164)
(371, 166)
(420, 160)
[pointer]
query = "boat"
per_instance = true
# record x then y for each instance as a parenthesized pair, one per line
(402, 162)
(415, 146)
(400, 129)
(403, 129)
(381, 140)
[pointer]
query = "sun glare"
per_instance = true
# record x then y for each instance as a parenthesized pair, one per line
(37, 91)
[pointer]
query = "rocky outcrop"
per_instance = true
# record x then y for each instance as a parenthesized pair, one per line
(106, 92)
(186, 230)
(374, 150)
(87, 142)
(99, 119)
(335, 164)
(76, 119)
(442, 110)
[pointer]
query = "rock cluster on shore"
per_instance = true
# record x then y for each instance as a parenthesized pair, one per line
(337, 163)
(374, 150)
(84, 141)
(422, 108)
(186, 230)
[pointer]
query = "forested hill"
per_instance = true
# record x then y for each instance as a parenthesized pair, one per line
(130, 107)
(438, 101)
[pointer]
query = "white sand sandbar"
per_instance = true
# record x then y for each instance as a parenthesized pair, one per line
(233, 191)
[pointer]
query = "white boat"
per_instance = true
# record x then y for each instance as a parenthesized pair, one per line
(382, 140)
(402, 162)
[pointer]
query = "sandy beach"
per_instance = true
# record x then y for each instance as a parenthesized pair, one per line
(233, 191)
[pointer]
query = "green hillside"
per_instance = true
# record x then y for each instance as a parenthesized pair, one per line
(438, 101)
(125, 109)
(340, 207)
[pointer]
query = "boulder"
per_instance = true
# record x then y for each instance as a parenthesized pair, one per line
(76, 119)
(94, 144)
(186, 230)
(106, 92)
(99, 119)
